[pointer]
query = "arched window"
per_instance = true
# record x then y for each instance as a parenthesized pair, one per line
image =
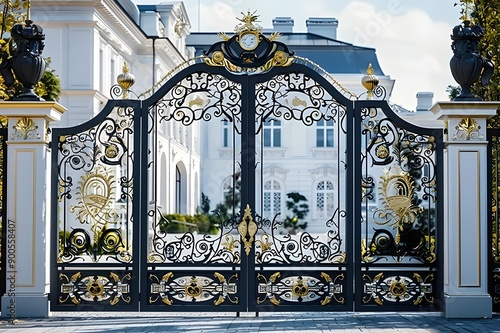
(324, 198)
(272, 198)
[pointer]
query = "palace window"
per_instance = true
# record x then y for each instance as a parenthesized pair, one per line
(272, 133)
(324, 198)
(272, 198)
(324, 133)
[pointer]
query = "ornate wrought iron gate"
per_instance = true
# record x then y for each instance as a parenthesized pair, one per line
(494, 217)
(372, 237)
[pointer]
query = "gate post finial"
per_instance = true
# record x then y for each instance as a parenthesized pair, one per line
(125, 80)
(369, 81)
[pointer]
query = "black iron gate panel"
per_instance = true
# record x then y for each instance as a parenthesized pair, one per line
(3, 206)
(302, 258)
(494, 217)
(95, 242)
(192, 265)
(397, 239)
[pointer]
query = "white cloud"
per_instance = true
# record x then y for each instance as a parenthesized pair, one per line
(411, 48)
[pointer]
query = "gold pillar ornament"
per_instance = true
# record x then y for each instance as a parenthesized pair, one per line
(125, 80)
(369, 81)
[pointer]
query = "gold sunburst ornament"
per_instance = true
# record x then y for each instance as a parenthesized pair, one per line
(397, 190)
(96, 195)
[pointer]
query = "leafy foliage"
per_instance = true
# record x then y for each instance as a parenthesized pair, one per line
(177, 223)
(296, 203)
(453, 91)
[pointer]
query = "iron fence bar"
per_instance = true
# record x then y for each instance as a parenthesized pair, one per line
(493, 228)
(248, 160)
(3, 225)
(355, 171)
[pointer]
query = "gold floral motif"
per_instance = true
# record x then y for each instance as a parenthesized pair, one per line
(25, 128)
(401, 288)
(468, 129)
(382, 152)
(111, 151)
(229, 243)
(264, 242)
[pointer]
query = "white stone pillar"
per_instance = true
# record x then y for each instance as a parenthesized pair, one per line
(28, 204)
(465, 205)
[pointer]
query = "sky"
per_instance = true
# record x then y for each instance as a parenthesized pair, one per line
(411, 37)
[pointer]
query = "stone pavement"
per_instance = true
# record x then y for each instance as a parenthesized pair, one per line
(247, 322)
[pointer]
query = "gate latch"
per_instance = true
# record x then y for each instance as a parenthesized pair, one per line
(247, 229)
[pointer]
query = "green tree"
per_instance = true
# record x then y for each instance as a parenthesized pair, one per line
(296, 203)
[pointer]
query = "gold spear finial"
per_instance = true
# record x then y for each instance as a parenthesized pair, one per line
(28, 9)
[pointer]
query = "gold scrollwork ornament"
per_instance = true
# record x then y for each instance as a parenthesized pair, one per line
(247, 229)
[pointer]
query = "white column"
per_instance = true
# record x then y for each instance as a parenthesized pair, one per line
(465, 205)
(28, 204)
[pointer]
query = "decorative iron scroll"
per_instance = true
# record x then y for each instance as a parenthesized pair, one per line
(279, 290)
(100, 159)
(416, 288)
(270, 247)
(200, 96)
(401, 165)
(297, 96)
(192, 248)
(95, 288)
(168, 288)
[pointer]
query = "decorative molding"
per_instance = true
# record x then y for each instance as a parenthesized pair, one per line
(329, 152)
(274, 152)
(468, 129)
(25, 129)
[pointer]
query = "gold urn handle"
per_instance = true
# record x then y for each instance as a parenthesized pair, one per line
(247, 229)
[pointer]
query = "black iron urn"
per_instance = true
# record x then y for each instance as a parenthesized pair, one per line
(26, 63)
(467, 65)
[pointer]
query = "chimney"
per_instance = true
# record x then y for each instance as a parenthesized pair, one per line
(323, 26)
(424, 100)
(283, 24)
